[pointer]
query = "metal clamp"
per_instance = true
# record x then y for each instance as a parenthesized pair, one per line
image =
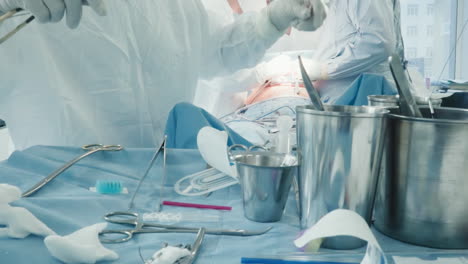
(92, 148)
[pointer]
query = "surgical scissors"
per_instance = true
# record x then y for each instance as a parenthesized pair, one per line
(133, 219)
(92, 148)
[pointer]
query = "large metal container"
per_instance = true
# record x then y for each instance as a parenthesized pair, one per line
(339, 154)
(423, 191)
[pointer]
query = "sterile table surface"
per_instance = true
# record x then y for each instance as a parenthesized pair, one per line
(66, 205)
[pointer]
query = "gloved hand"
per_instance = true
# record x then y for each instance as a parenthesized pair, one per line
(54, 10)
(279, 69)
(316, 70)
(306, 15)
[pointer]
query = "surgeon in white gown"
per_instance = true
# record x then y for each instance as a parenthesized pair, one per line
(114, 79)
(358, 37)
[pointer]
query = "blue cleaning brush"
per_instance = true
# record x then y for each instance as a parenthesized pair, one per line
(109, 187)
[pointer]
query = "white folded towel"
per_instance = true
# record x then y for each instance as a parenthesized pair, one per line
(168, 255)
(82, 246)
(18, 221)
(9, 193)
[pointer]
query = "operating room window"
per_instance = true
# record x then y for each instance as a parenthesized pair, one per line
(429, 52)
(411, 53)
(412, 31)
(462, 47)
(428, 67)
(430, 10)
(445, 28)
(413, 10)
(429, 29)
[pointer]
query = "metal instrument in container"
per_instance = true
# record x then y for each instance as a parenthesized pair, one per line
(339, 153)
(313, 93)
(423, 190)
(408, 104)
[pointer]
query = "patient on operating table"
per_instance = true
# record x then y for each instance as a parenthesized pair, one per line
(250, 101)
(271, 89)
(280, 77)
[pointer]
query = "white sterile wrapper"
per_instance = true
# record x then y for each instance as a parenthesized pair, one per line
(212, 145)
(344, 223)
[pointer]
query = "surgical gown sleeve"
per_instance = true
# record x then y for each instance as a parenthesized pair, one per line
(238, 45)
(370, 43)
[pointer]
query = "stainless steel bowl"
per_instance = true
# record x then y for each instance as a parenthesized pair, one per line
(422, 193)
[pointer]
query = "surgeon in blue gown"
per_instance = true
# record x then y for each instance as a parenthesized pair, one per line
(357, 38)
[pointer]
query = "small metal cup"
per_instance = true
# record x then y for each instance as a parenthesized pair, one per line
(265, 184)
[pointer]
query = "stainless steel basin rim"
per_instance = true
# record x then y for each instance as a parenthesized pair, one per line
(435, 120)
(345, 110)
(238, 157)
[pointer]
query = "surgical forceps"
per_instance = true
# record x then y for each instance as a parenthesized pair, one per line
(133, 219)
(22, 25)
(92, 148)
(18, 28)
(195, 248)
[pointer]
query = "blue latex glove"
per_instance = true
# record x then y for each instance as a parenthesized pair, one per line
(54, 10)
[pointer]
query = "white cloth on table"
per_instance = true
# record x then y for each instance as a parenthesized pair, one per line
(82, 246)
(9, 193)
(168, 255)
(18, 221)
